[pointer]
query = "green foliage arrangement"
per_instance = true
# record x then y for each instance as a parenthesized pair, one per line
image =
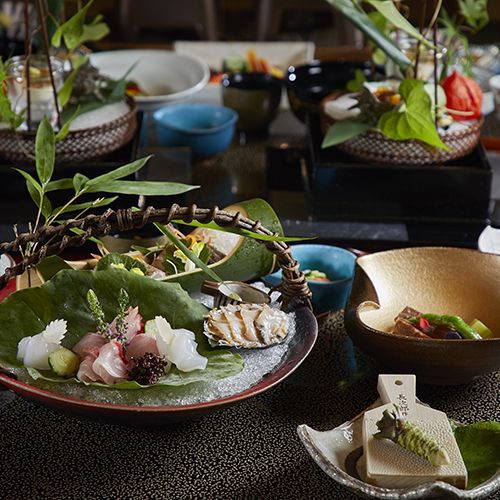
(417, 117)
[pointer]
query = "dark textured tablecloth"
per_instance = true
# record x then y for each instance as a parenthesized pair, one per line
(248, 451)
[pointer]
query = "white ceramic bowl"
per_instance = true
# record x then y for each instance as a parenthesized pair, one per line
(164, 74)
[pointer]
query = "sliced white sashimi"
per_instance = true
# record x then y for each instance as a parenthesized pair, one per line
(178, 346)
(34, 351)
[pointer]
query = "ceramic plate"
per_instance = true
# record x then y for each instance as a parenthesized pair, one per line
(165, 75)
(338, 453)
(298, 347)
(280, 54)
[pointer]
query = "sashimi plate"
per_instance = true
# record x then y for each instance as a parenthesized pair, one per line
(155, 405)
(339, 454)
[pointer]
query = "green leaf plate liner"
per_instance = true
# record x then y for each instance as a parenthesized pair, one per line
(27, 312)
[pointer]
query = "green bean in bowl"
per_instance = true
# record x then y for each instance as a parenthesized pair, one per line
(430, 311)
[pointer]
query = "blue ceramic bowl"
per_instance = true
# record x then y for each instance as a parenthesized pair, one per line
(205, 128)
(337, 263)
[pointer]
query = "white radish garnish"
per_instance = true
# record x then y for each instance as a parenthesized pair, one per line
(34, 351)
(178, 346)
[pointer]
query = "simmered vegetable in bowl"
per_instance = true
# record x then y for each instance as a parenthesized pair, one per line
(431, 280)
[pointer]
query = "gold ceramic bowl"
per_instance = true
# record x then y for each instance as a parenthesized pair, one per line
(437, 280)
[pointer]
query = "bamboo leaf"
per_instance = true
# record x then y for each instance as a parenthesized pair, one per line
(146, 188)
(59, 184)
(239, 231)
(45, 151)
(79, 181)
(190, 255)
(34, 193)
(75, 32)
(119, 172)
(30, 180)
(360, 19)
(42, 202)
(94, 32)
(65, 91)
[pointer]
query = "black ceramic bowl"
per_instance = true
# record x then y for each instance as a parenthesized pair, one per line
(254, 96)
(308, 84)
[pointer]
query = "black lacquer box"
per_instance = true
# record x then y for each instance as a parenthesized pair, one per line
(439, 197)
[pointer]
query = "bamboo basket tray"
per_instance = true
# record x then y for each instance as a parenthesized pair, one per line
(85, 145)
(373, 146)
(293, 287)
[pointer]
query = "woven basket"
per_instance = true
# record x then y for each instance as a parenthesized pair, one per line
(293, 287)
(374, 147)
(86, 145)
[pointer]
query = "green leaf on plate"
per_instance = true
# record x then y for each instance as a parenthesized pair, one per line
(64, 92)
(27, 312)
(113, 259)
(479, 445)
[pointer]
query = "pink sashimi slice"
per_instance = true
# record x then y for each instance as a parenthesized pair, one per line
(88, 340)
(141, 344)
(111, 366)
(85, 370)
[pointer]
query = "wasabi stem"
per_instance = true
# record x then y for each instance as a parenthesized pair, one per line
(455, 322)
(394, 426)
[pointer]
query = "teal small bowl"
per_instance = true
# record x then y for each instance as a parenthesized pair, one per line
(207, 129)
(338, 265)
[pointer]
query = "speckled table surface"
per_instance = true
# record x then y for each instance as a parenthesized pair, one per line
(248, 451)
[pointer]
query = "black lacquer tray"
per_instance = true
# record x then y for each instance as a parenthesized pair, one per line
(453, 197)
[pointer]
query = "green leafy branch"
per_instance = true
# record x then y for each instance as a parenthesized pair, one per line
(74, 32)
(110, 182)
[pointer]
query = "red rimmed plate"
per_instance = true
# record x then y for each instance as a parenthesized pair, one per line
(299, 346)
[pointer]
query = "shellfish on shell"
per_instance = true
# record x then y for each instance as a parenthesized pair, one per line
(246, 325)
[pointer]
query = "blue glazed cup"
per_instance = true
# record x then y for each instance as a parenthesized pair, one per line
(337, 263)
(205, 128)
